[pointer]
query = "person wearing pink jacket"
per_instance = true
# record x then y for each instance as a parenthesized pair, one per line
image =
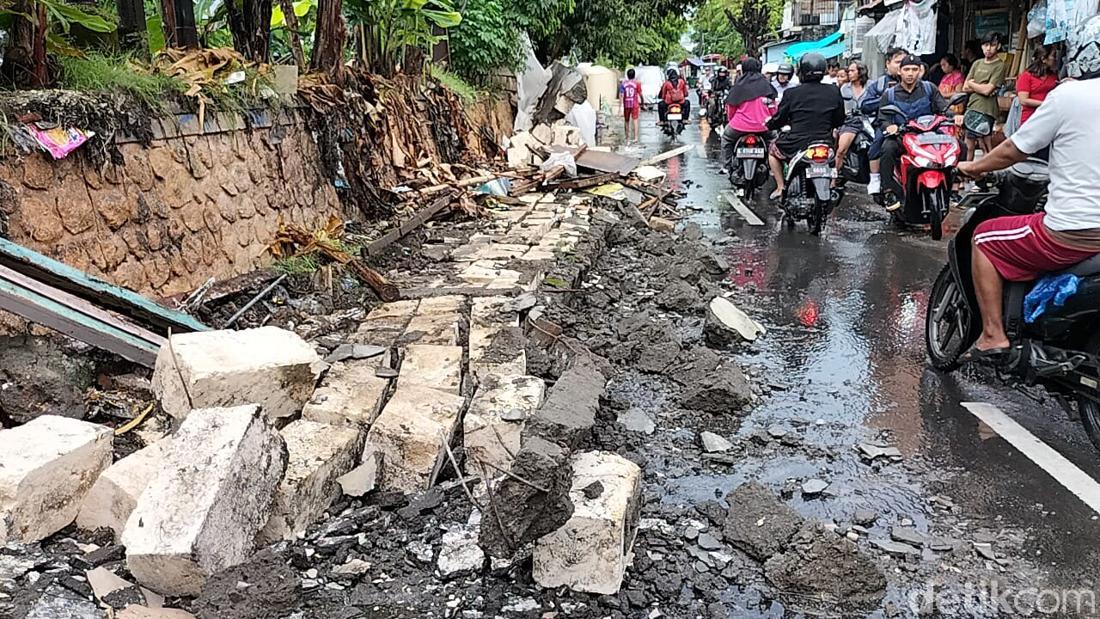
(749, 105)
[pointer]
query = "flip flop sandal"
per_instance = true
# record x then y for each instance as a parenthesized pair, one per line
(993, 356)
(775, 195)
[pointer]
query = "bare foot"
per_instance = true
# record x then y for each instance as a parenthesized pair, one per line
(986, 343)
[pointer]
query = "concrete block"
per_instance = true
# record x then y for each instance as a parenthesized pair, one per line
(447, 304)
(409, 435)
(271, 367)
(350, 393)
(591, 552)
(201, 512)
(47, 467)
(495, 419)
(317, 454)
(438, 367)
(434, 329)
(115, 494)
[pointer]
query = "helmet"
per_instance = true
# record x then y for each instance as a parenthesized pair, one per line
(770, 67)
(812, 67)
(1082, 58)
(723, 70)
(785, 69)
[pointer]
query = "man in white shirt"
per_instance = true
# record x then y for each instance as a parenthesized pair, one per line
(1024, 247)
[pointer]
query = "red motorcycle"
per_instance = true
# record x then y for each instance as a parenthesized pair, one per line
(926, 170)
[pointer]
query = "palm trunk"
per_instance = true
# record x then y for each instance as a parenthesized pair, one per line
(292, 34)
(329, 38)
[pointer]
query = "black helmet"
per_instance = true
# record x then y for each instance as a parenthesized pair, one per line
(723, 70)
(785, 69)
(812, 67)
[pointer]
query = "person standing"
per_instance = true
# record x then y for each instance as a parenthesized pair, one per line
(1036, 82)
(952, 79)
(749, 104)
(632, 107)
(985, 77)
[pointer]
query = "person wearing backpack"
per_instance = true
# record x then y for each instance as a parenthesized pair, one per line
(632, 107)
(673, 91)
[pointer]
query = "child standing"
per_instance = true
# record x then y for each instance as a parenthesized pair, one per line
(632, 104)
(985, 77)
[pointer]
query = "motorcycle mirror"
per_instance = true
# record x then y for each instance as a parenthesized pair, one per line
(957, 98)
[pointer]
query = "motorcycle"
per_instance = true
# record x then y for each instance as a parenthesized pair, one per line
(856, 167)
(675, 118)
(749, 170)
(1060, 350)
(930, 150)
(809, 194)
(716, 108)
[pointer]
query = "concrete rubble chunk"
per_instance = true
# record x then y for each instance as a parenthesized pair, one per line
(271, 367)
(569, 412)
(727, 324)
(350, 393)
(142, 612)
(115, 494)
(57, 601)
(201, 512)
(409, 436)
(824, 572)
(317, 454)
(757, 522)
(47, 466)
(459, 553)
(363, 478)
(494, 422)
(436, 367)
(435, 329)
(591, 551)
(712, 443)
(117, 592)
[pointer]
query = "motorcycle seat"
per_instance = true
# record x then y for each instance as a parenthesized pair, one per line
(1090, 266)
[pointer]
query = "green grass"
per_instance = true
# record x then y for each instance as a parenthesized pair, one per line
(451, 81)
(297, 265)
(100, 73)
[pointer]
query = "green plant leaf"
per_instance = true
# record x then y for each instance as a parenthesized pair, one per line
(443, 19)
(57, 45)
(154, 29)
(72, 15)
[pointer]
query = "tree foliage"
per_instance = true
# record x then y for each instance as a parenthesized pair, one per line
(488, 39)
(711, 31)
(753, 20)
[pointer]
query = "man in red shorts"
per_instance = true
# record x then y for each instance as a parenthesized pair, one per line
(632, 104)
(1025, 247)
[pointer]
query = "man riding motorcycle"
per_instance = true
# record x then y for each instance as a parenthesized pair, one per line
(915, 98)
(784, 79)
(869, 107)
(1023, 248)
(722, 80)
(812, 109)
(673, 91)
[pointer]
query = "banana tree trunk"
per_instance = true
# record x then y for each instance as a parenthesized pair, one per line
(292, 34)
(179, 23)
(131, 26)
(329, 38)
(250, 24)
(25, 61)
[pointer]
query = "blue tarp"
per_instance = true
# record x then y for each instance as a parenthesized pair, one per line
(829, 47)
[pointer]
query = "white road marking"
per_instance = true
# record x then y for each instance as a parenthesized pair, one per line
(740, 207)
(1055, 464)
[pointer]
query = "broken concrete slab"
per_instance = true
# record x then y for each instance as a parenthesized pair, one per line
(409, 435)
(115, 493)
(821, 571)
(569, 412)
(591, 551)
(57, 601)
(142, 612)
(271, 367)
(496, 343)
(117, 592)
(724, 390)
(757, 522)
(436, 367)
(363, 478)
(435, 329)
(317, 454)
(726, 324)
(47, 466)
(495, 420)
(350, 393)
(354, 351)
(201, 512)
(712, 443)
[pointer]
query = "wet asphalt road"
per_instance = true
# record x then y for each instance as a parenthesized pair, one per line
(846, 319)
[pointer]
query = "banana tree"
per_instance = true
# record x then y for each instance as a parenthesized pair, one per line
(397, 31)
(38, 26)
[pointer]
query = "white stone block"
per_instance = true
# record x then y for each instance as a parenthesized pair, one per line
(409, 435)
(350, 393)
(495, 419)
(433, 329)
(47, 467)
(268, 366)
(591, 551)
(201, 512)
(317, 454)
(115, 494)
(438, 367)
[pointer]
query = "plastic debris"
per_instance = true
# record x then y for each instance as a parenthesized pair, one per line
(56, 141)
(1056, 288)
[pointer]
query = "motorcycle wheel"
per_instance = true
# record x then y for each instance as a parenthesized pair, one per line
(935, 203)
(1088, 410)
(947, 323)
(816, 220)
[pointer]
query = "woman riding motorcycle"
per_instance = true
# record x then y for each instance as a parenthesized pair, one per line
(749, 104)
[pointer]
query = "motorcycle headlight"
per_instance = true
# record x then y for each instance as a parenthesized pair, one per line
(922, 162)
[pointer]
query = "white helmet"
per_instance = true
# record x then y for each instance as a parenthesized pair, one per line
(1083, 49)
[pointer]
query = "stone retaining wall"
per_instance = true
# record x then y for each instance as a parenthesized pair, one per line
(199, 203)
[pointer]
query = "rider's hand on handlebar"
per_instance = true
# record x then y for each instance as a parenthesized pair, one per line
(892, 130)
(966, 168)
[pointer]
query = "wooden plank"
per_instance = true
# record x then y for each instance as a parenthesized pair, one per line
(602, 161)
(585, 183)
(48, 312)
(80, 284)
(740, 207)
(676, 152)
(415, 221)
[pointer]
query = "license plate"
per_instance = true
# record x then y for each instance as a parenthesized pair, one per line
(935, 138)
(750, 153)
(675, 116)
(820, 171)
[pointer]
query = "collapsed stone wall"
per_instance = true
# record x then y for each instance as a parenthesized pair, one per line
(184, 209)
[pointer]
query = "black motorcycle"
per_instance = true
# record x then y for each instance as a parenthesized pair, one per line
(716, 107)
(675, 120)
(749, 170)
(1060, 350)
(856, 167)
(809, 194)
